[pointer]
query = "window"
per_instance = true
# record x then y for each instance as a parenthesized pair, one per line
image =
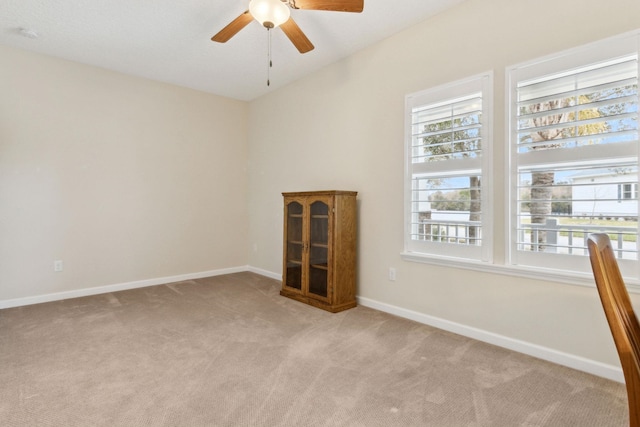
(448, 142)
(627, 192)
(574, 156)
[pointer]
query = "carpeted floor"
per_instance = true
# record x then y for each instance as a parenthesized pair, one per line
(230, 351)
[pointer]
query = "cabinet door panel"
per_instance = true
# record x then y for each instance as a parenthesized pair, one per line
(318, 281)
(319, 226)
(318, 248)
(318, 255)
(294, 276)
(294, 246)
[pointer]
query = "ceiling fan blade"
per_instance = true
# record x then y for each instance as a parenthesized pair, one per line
(232, 29)
(297, 37)
(335, 5)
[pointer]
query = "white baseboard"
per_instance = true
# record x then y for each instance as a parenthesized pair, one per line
(572, 361)
(57, 296)
(569, 360)
(266, 273)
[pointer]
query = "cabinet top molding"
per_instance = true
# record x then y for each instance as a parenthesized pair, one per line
(320, 193)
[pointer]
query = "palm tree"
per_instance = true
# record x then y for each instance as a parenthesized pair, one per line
(542, 181)
(552, 128)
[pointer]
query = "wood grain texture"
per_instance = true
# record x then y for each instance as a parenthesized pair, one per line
(333, 5)
(341, 235)
(297, 37)
(233, 28)
(620, 316)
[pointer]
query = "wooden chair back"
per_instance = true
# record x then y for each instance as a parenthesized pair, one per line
(620, 316)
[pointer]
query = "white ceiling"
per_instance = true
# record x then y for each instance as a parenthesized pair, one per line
(169, 40)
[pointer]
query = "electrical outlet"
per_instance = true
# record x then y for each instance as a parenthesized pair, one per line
(392, 274)
(57, 266)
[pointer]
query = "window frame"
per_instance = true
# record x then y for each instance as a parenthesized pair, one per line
(627, 191)
(562, 62)
(421, 250)
(500, 262)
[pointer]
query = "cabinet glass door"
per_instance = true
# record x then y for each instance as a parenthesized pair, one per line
(294, 246)
(318, 248)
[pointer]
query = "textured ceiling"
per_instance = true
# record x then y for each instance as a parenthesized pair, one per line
(169, 40)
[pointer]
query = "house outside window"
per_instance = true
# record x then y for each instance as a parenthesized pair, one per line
(448, 134)
(628, 191)
(574, 156)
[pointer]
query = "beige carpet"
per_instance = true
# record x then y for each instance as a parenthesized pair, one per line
(229, 351)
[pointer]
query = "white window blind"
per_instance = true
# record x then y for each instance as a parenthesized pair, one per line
(574, 159)
(447, 139)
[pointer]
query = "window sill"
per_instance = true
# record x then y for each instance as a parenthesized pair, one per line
(551, 275)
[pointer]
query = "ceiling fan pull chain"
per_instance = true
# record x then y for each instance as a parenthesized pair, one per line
(270, 64)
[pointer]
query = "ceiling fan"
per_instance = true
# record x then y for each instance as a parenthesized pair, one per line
(276, 13)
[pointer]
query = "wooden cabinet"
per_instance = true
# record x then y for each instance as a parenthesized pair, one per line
(320, 249)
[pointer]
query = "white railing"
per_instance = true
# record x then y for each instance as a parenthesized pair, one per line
(572, 239)
(450, 231)
(560, 238)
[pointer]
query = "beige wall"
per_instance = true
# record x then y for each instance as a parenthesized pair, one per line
(126, 180)
(342, 128)
(122, 178)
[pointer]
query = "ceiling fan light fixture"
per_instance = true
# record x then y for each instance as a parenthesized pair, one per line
(269, 13)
